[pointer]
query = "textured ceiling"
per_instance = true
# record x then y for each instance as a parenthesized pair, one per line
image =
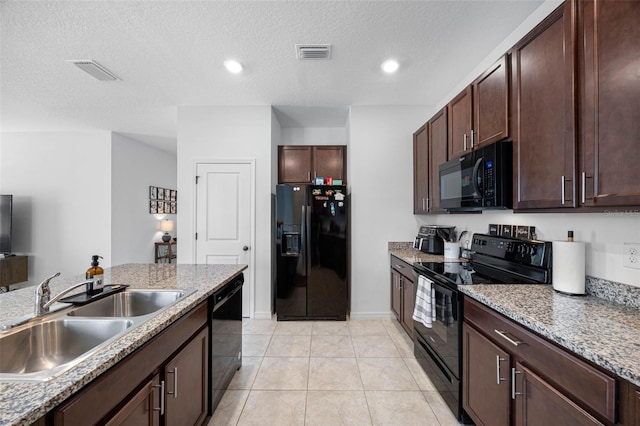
(170, 53)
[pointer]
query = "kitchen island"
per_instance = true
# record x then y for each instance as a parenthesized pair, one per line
(26, 402)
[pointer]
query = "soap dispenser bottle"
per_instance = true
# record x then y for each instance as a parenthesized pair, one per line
(95, 275)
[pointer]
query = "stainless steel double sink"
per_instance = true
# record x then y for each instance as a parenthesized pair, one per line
(49, 345)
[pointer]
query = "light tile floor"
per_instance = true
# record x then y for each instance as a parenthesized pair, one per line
(327, 373)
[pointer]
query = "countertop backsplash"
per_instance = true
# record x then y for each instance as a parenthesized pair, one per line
(623, 294)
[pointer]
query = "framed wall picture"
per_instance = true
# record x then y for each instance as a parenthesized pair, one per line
(160, 193)
(174, 208)
(153, 206)
(174, 195)
(161, 207)
(153, 192)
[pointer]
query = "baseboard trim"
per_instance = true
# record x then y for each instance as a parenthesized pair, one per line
(262, 315)
(371, 315)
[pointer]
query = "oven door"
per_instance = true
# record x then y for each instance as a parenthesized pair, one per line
(443, 337)
(461, 183)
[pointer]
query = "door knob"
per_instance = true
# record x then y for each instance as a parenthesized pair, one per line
(245, 248)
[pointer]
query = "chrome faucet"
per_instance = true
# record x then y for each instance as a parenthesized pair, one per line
(43, 302)
(43, 295)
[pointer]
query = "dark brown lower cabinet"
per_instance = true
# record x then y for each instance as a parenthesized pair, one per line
(403, 293)
(486, 390)
(186, 388)
(539, 403)
(165, 381)
(143, 408)
(511, 376)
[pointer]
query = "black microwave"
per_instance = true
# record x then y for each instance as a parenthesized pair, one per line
(479, 180)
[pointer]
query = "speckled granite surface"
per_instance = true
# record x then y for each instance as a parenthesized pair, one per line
(599, 330)
(406, 252)
(22, 403)
(615, 292)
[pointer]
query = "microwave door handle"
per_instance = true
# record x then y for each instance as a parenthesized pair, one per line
(475, 176)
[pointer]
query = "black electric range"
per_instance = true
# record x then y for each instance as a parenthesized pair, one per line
(495, 260)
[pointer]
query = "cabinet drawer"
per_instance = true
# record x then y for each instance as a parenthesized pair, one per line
(402, 267)
(588, 386)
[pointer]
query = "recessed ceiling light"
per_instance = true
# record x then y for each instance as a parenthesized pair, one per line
(232, 66)
(390, 66)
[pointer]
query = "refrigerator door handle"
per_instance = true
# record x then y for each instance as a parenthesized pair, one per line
(306, 222)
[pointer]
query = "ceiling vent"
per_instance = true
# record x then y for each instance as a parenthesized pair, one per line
(95, 69)
(313, 51)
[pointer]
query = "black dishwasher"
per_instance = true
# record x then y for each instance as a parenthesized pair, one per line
(225, 328)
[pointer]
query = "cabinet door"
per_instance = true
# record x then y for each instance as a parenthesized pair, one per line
(186, 388)
(408, 302)
(544, 112)
(485, 384)
(143, 409)
(421, 169)
(294, 164)
(539, 403)
(395, 293)
(611, 107)
(437, 155)
(491, 104)
(328, 161)
(460, 123)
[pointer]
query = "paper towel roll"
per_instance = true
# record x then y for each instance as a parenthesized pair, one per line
(568, 267)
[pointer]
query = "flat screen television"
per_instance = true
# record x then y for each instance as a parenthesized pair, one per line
(6, 207)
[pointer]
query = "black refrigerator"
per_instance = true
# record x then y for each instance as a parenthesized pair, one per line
(311, 252)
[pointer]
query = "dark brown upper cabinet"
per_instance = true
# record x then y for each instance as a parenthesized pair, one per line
(480, 113)
(421, 166)
(544, 112)
(437, 155)
(429, 151)
(460, 111)
(609, 37)
(491, 104)
(301, 164)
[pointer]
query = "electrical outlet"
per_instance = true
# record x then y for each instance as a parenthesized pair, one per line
(631, 255)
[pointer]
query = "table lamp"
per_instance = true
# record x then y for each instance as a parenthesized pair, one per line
(166, 226)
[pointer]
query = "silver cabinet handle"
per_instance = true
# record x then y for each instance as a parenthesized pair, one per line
(464, 142)
(424, 204)
(562, 189)
(175, 382)
(161, 409)
(498, 378)
(507, 338)
(472, 139)
(513, 383)
(308, 176)
(584, 187)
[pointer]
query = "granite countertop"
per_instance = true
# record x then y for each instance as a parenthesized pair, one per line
(604, 332)
(22, 403)
(405, 251)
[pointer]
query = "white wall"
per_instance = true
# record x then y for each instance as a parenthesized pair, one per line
(381, 184)
(61, 182)
(207, 133)
(314, 136)
(136, 166)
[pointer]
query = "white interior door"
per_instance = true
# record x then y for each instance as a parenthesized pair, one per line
(224, 225)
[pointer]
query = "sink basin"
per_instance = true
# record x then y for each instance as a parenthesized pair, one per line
(129, 303)
(42, 350)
